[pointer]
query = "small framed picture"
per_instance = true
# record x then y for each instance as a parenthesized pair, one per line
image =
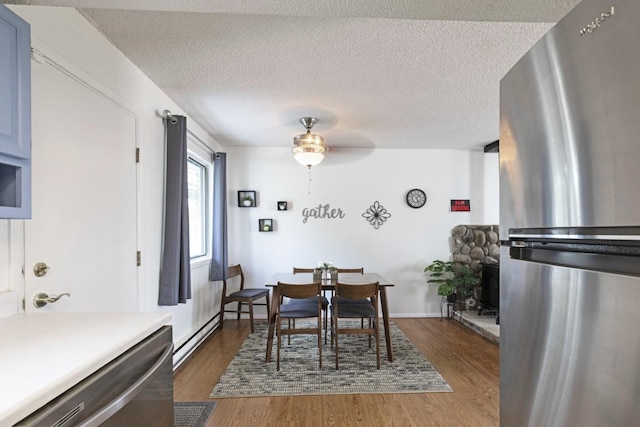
(460, 205)
(282, 206)
(247, 199)
(265, 224)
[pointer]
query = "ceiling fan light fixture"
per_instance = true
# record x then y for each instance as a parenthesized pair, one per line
(308, 158)
(309, 148)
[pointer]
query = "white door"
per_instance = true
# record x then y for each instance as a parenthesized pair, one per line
(84, 198)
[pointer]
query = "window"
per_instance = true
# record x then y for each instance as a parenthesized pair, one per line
(197, 179)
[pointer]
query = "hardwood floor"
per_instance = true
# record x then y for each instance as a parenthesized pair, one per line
(468, 362)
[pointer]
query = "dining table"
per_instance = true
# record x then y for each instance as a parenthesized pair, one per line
(328, 285)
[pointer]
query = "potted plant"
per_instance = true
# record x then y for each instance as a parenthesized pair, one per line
(328, 270)
(454, 281)
(247, 201)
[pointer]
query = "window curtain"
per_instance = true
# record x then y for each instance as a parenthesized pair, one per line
(175, 269)
(219, 258)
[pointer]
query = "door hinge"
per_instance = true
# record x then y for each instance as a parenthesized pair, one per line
(139, 258)
(24, 306)
(137, 155)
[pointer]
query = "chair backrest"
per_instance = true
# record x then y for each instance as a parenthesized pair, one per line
(358, 291)
(351, 270)
(302, 270)
(234, 271)
(299, 291)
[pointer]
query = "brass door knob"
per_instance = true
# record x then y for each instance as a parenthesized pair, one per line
(41, 299)
(40, 269)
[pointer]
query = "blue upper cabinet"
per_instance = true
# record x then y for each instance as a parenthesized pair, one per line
(15, 116)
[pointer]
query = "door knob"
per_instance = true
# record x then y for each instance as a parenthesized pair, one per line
(41, 299)
(40, 269)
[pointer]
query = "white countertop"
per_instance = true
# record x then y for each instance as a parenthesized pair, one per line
(44, 354)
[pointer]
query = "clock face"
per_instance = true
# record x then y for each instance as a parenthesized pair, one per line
(416, 198)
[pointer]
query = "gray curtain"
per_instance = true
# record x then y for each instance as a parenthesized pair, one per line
(219, 258)
(175, 269)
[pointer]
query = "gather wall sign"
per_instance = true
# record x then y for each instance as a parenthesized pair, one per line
(322, 212)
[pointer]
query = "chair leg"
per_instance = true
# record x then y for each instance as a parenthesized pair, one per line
(336, 338)
(239, 309)
(326, 313)
(332, 331)
(222, 313)
(251, 315)
(279, 331)
(320, 341)
(377, 344)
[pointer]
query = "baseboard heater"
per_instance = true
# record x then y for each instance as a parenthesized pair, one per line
(182, 353)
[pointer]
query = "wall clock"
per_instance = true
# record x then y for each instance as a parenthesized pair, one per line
(416, 198)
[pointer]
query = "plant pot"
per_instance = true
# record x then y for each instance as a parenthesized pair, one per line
(459, 306)
(246, 203)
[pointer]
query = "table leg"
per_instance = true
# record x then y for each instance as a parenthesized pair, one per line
(275, 300)
(385, 319)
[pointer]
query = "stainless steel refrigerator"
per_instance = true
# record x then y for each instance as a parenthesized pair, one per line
(570, 224)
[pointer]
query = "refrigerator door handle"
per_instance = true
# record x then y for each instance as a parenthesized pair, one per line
(604, 262)
(622, 234)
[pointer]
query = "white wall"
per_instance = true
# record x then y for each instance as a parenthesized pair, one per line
(63, 34)
(485, 180)
(352, 180)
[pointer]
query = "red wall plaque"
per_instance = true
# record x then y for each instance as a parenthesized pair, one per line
(460, 205)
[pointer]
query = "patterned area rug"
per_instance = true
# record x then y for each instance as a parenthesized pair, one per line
(248, 375)
(192, 414)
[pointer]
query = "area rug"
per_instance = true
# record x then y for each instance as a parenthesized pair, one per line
(248, 375)
(192, 414)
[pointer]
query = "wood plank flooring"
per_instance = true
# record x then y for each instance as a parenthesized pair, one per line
(468, 362)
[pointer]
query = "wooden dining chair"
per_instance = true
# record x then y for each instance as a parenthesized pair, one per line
(354, 301)
(325, 301)
(341, 310)
(241, 296)
(302, 270)
(351, 270)
(297, 292)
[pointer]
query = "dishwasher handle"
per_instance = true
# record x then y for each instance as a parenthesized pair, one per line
(127, 395)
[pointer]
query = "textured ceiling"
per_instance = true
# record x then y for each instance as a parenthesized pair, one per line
(383, 74)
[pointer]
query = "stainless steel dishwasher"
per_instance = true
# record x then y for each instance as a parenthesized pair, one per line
(135, 389)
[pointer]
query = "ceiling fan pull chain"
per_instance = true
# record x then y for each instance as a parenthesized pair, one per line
(309, 179)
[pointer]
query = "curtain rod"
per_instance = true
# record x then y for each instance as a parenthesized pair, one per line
(166, 114)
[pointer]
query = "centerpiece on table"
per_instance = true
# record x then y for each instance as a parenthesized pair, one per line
(326, 271)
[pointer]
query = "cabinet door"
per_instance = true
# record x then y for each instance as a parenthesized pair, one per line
(15, 116)
(15, 85)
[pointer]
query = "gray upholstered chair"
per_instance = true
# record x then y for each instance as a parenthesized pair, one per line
(296, 292)
(241, 296)
(325, 301)
(343, 310)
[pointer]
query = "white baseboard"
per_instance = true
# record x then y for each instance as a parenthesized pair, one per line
(187, 348)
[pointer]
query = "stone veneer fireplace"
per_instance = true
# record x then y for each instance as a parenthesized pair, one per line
(478, 247)
(474, 245)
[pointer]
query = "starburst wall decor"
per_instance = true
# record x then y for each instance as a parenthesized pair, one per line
(376, 215)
